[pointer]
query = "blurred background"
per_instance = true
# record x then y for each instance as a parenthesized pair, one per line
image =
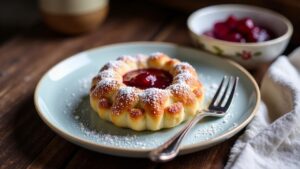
(18, 16)
(29, 47)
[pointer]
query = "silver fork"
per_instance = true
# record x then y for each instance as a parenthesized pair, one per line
(217, 108)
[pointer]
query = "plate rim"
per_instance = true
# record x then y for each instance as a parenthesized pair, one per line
(121, 151)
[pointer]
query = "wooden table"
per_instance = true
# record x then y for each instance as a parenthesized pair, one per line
(25, 141)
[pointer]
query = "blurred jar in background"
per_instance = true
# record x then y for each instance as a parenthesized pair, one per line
(73, 16)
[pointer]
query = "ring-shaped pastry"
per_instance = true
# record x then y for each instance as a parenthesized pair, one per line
(149, 108)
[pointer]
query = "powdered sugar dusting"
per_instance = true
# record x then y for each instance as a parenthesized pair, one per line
(179, 88)
(84, 84)
(125, 97)
(126, 58)
(141, 56)
(107, 83)
(106, 74)
(127, 141)
(125, 91)
(114, 64)
(105, 133)
(184, 76)
(75, 96)
(153, 96)
(210, 129)
(181, 67)
(105, 86)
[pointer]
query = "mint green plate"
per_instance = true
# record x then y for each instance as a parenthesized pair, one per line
(61, 100)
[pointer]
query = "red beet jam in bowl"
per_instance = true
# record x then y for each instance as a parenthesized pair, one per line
(248, 34)
(239, 30)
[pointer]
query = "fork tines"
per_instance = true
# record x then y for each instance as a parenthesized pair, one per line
(224, 94)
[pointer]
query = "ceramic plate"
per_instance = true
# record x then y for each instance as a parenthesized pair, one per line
(62, 101)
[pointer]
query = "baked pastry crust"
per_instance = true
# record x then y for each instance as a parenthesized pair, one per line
(146, 109)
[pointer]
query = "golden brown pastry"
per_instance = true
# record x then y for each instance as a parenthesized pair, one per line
(146, 92)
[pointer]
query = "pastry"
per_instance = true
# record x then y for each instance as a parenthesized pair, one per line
(146, 92)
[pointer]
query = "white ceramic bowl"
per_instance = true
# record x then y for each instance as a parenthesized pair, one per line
(247, 54)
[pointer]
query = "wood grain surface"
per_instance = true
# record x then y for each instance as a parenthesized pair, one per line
(30, 49)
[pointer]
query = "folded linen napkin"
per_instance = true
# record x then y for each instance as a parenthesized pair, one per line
(272, 139)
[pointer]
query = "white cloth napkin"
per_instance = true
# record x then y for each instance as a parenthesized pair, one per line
(272, 139)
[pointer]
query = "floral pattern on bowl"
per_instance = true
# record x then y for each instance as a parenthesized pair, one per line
(250, 55)
(247, 55)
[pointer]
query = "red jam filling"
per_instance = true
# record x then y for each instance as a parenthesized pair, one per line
(239, 30)
(147, 78)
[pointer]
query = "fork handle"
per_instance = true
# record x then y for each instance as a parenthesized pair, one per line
(170, 149)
